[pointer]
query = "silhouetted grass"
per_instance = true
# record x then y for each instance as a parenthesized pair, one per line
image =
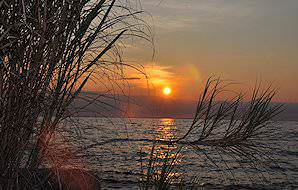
(49, 50)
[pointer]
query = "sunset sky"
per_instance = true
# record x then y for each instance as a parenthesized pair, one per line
(239, 40)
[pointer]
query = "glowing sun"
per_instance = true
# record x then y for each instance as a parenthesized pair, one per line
(167, 91)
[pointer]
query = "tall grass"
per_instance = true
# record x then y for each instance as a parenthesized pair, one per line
(238, 127)
(49, 50)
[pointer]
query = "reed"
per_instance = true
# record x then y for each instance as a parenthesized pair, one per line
(49, 50)
(234, 126)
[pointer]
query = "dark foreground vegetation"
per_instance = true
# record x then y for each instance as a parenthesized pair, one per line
(49, 50)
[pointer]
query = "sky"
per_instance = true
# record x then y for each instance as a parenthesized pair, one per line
(242, 41)
(239, 40)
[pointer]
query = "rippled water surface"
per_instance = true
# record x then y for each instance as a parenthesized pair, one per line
(124, 161)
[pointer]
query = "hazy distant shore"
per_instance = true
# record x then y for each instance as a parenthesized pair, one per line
(155, 107)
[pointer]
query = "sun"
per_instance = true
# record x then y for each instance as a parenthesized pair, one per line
(167, 91)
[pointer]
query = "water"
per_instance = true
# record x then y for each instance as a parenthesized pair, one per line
(122, 162)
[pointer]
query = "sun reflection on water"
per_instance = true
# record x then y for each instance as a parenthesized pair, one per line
(166, 129)
(166, 157)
